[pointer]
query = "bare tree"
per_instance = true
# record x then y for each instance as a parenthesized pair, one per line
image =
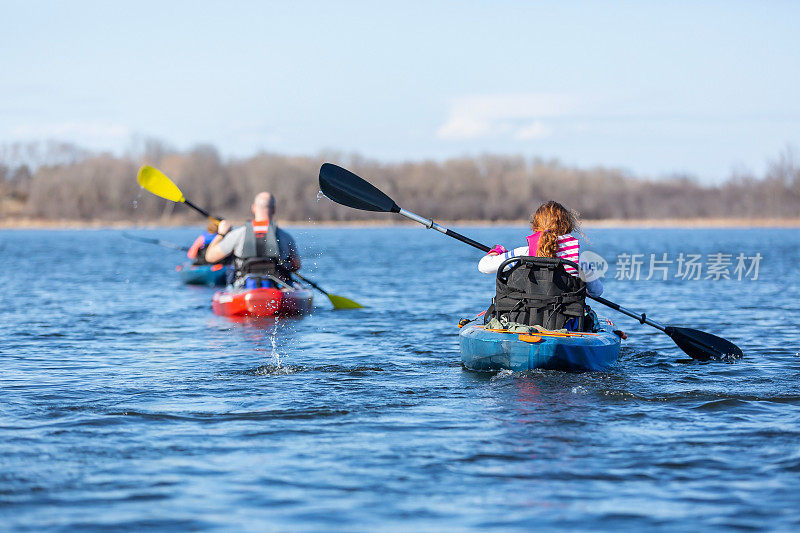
(59, 180)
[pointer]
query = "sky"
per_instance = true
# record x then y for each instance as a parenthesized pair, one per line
(655, 88)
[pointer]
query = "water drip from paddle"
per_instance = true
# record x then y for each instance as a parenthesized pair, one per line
(275, 354)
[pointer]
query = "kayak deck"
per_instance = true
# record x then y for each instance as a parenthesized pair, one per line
(263, 302)
(211, 275)
(485, 350)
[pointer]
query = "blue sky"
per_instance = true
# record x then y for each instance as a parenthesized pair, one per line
(698, 88)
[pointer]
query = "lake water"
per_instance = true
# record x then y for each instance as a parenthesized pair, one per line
(126, 404)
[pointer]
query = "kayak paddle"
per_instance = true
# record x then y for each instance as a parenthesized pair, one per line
(344, 187)
(158, 242)
(156, 182)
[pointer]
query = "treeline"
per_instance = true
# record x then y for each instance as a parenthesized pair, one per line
(60, 181)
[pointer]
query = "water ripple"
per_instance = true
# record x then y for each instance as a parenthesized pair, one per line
(137, 408)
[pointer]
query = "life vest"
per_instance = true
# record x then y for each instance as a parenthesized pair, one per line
(207, 237)
(533, 243)
(538, 291)
(197, 250)
(533, 248)
(261, 252)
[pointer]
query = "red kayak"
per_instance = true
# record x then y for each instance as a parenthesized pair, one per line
(263, 302)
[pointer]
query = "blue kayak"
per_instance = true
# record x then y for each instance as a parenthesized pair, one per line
(485, 350)
(211, 275)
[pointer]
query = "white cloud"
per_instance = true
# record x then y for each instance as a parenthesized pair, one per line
(515, 115)
(533, 131)
(463, 126)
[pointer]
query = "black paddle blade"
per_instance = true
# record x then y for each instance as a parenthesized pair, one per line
(703, 346)
(344, 187)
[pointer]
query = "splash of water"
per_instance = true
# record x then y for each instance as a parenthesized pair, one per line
(503, 374)
(271, 370)
(275, 354)
(320, 195)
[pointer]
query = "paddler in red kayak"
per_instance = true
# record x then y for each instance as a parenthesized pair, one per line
(261, 250)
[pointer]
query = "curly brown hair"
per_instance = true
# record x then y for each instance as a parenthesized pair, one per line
(553, 220)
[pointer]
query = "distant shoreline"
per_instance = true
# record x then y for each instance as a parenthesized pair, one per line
(35, 223)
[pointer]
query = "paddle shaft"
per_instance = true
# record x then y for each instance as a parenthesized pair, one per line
(430, 224)
(642, 318)
(157, 242)
(199, 210)
(320, 289)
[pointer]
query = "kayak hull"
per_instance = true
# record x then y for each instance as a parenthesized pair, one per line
(262, 302)
(490, 351)
(211, 275)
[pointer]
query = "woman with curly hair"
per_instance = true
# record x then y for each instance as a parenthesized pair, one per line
(552, 225)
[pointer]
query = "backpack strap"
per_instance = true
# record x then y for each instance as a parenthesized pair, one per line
(538, 291)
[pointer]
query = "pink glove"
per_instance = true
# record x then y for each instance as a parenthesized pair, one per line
(497, 250)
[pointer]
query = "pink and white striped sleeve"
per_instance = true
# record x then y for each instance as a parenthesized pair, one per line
(569, 249)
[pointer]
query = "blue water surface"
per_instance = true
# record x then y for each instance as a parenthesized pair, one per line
(126, 404)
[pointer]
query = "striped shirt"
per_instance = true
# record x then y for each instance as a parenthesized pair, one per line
(568, 248)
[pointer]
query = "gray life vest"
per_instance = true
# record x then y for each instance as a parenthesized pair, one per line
(262, 244)
(261, 253)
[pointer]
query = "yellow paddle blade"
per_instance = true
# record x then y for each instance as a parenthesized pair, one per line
(340, 302)
(156, 182)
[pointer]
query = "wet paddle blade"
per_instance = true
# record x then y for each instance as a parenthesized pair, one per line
(703, 346)
(340, 302)
(344, 187)
(156, 182)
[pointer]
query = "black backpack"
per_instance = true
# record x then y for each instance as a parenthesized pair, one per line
(538, 291)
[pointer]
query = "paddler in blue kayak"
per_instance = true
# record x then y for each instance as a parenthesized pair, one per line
(262, 252)
(197, 251)
(532, 296)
